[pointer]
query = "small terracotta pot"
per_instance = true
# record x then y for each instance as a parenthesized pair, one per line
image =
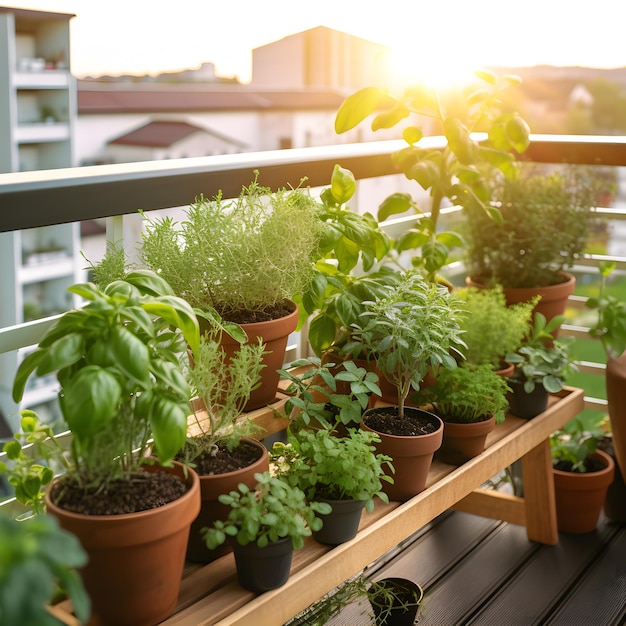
(462, 442)
(580, 497)
(411, 456)
(211, 487)
(274, 334)
(135, 560)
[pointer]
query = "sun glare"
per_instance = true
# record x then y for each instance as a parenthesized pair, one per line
(407, 68)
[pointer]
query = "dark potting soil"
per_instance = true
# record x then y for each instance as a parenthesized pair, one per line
(225, 460)
(144, 491)
(282, 309)
(386, 421)
(591, 465)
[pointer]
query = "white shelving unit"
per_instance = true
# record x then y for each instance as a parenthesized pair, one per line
(37, 113)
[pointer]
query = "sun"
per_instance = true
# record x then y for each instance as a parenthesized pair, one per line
(437, 70)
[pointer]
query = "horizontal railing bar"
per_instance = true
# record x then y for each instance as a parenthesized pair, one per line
(45, 197)
(91, 192)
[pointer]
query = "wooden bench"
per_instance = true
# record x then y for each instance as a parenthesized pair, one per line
(210, 593)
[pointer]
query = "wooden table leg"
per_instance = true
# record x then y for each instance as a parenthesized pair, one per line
(539, 500)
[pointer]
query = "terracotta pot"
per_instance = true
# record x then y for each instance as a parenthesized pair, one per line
(136, 560)
(526, 405)
(385, 615)
(462, 442)
(553, 297)
(616, 397)
(211, 487)
(263, 569)
(411, 455)
(615, 501)
(274, 334)
(580, 497)
(341, 524)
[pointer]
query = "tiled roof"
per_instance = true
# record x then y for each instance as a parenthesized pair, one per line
(157, 134)
(158, 99)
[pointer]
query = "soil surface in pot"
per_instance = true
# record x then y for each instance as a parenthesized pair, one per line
(591, 465)
(281, 309)
(225, 460)
(385, 422)
(144, 491)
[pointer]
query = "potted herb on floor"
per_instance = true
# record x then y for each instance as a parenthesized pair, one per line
(220, 446)
(265, 525)
(545, 222)
(117, 360)
(582, 475)
(345, 472)
(491, 329)
(246, 259)
(541, 368)
(470, 402)
(394, 601)
(414, 329)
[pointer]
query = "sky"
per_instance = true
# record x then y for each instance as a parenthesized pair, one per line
(447, 36)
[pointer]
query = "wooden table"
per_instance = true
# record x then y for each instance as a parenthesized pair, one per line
(210, 593)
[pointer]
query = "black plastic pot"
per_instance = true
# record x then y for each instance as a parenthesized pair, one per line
(341, 524)
(402, 613)
(526, 405)
(263, 569)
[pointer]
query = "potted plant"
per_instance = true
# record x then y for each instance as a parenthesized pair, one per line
(470, 401)
(541, 368)
(610, 328)
(491, 329)
(394, 601)
(118, 361)
(246, 259)
(546, 221)
(220, 446)
(265, 525)
(414, 329)
(582, 475)
(328, 395)
(39, 561)
(458, 173)
(345, 472)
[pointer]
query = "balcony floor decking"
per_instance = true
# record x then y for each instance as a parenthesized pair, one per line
(479, 571)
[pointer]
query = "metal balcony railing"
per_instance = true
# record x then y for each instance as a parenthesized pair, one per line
(43, 198)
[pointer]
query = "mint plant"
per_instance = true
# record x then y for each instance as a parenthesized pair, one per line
(328, 467)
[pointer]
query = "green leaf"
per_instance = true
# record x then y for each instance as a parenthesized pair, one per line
(62, 353)
(88, 291)
(342, 184)
(150, 283)
(450, 239)
(169, 427)
(518, 133)
(459, 140)
(411, 239)
(24, 370)
(321, 333)
(171, 375)
(394, 204)
(90, 401)
(435, 255)
(390, 118)
(356, 107)
(412, 135)
(130, 354)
